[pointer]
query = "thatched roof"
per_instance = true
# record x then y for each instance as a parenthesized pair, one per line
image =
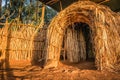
(104, 25)
(55, 4)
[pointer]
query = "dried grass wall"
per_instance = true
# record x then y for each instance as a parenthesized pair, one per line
(74, 37)
(17, 43)
(104, 25)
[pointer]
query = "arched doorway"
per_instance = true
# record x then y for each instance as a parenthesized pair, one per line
(77, 43)
(77, 46)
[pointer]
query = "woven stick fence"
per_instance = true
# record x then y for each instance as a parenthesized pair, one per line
(17, 43)
(105, 34)
(22, 41)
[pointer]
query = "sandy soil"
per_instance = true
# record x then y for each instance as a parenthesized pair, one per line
(65, 71)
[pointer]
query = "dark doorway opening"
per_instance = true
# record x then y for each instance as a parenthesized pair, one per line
(78, 45)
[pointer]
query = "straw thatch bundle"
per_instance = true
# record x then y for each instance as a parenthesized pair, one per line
(105, 35)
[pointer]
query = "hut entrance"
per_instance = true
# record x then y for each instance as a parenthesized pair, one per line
(77, 44)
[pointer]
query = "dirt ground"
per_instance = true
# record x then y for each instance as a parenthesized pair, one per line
(69, 71)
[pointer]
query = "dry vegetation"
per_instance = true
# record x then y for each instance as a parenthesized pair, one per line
(20, 42)
(22, 45)
(105, 34)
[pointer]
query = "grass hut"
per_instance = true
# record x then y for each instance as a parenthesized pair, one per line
(84, 29)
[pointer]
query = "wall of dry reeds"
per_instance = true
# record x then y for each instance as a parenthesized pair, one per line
(104, 25)
(20, 42)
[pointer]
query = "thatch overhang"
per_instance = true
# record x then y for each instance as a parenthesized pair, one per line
(56, 4)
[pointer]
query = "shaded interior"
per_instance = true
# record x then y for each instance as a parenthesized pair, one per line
(75, 31)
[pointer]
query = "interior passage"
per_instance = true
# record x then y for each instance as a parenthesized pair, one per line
(77, 44)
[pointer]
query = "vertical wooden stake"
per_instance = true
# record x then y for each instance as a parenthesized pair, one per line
(40, 26)
(61, 8)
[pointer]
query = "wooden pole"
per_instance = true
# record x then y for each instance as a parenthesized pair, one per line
(40, 26)
(61, 8)
(43, 15)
